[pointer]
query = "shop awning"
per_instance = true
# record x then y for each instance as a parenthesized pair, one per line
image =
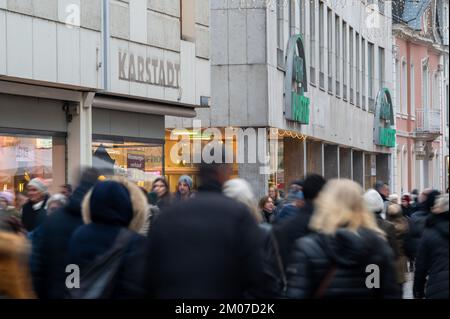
(157, 107)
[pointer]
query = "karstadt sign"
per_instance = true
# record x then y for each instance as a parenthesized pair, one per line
(148, 70)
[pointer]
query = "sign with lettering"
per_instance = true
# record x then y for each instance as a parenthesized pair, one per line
(136, 161)
(148, 70)
(384, 133)
(296, 103)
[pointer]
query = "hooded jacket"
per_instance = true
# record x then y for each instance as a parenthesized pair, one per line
(432, 259)
(109, 208)
(349, 254)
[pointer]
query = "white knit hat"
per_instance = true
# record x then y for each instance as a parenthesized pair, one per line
(374, 202)
(39, 184)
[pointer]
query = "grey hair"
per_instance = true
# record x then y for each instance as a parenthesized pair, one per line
(240, 190)
(56, 198)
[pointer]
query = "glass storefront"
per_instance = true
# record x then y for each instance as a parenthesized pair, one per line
(24, 157)
(140, 162)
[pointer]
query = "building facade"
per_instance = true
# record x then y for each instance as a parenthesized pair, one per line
(421, 66)
(87, 82)
(313, 75)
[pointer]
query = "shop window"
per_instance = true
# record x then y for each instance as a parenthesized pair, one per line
(140, 162)
(23, 158)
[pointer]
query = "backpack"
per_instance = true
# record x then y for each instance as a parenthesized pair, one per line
(98, 281)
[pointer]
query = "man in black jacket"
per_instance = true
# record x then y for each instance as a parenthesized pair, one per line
(289, 230)
(50, 242)
(34, 212)
(206, 247)
(432, 256)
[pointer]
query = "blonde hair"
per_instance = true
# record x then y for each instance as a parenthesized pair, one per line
(341, 205)
(240, 190)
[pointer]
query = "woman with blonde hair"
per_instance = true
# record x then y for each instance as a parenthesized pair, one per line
(346, 255)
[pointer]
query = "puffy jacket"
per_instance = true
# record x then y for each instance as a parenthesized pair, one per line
(347, 252)
(432, 259)
(109, 208)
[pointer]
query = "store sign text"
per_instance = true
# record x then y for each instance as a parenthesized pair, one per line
(154, 71)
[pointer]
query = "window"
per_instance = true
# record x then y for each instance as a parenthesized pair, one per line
(24, 157)
(312, 37)
(351, 57)
(435, 91)
(139, 161)
(425, 86)
(412, 91)
(321, 46)
(381, 6)
(358, 69)
(330, 49)
(381, 67)
(280, 33)
(337, 40)
(344, 59)
(404, 84)
(187, 20)
(302, 17)
(363, 71)
(398, 94)
(370, 60)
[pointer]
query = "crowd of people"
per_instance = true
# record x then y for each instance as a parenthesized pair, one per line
(221, 241)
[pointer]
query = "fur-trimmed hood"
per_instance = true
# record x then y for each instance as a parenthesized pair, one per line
(140, 207)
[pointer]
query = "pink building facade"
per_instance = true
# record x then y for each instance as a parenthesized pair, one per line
(421, 103)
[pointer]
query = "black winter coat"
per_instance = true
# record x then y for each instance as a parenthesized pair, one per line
(417, 224)
(432, 259)
(289, 230)
(31, 218)
(207, 247)
(349, 254)
(50, 246)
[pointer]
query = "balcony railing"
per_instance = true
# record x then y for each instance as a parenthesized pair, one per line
(428, 121)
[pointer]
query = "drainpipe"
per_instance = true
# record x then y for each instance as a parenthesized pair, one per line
(105, 46)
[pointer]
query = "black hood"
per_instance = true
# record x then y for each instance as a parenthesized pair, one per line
(76, 200)
(347, 248)
(440, 223)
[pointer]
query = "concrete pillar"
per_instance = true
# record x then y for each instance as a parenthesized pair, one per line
(314, 157)
(383, 170)
(331, 161)
(293, 160)
(358, 167)
(345, 163)
(257, 174)
(79, 137)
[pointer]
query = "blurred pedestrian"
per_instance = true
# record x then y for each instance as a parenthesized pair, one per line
(393, 199)
(274, 193)
(33, 212)
(400, 222)
(432, 256)
(113, 212)
(55, 202)
(294, 202)
(66, 190)
(15, 278)
(7, 208)
(51, 242)
(418, 219)
(274, 275)
(406, 205)
(163, 197)
(184, 188)
(375, 205)
(382, 188)
(207, 247)
(332, 261)
(266, 209)
(289, 230)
